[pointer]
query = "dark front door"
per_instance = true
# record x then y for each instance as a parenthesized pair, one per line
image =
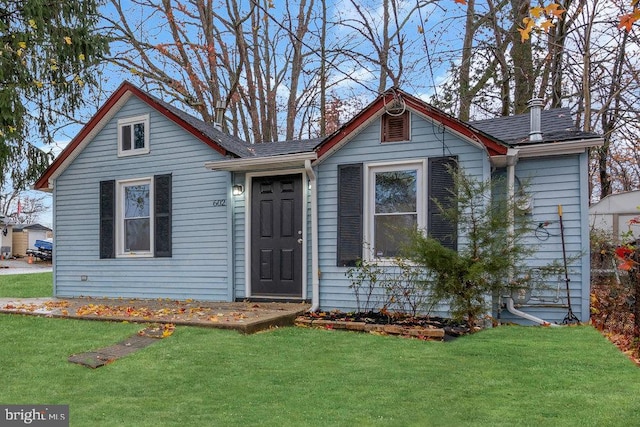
(276, 236)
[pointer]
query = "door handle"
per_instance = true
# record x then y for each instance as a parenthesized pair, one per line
(300, 241)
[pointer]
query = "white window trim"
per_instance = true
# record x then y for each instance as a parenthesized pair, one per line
(120, 239)
(369, 199)
(130, 121)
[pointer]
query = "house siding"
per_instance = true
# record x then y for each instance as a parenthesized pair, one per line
(554, 181)
(199, 266)
(427, 141)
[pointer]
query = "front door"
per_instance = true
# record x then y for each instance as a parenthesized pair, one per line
(276, 236)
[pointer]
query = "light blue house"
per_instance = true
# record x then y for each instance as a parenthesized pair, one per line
(150, 202)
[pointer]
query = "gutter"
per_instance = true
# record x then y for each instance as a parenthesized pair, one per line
(315, 270)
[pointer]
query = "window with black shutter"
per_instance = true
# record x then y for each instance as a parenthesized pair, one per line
(135, 217)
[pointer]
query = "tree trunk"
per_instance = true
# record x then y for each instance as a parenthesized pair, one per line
(523, 72)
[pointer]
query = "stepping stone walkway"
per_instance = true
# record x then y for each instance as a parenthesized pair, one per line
(144, 338)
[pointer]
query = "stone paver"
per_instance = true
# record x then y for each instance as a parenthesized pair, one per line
(97, 358)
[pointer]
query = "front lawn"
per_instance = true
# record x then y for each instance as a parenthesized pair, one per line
(293, 377)
(32, 285)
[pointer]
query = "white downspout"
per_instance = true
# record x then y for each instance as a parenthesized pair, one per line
(315, 270)
(511, 309)
(512, 160)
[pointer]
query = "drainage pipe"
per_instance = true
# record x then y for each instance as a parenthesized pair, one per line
(315, 270)
(513, 310)
(512, 160)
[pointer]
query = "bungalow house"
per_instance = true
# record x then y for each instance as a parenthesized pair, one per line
(6, 236)
(151, 202)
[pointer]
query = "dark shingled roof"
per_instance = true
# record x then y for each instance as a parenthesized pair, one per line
(230, 143)
(266, 149)
(236, 145)
(556, 124)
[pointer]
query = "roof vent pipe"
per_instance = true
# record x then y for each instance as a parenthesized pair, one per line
(219, 115)
(535, 107)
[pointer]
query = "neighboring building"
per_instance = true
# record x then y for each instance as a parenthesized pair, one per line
(614, 213)
(25, 236)
(150, 202)
(6, 237)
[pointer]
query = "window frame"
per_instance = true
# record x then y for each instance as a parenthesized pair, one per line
(132, 121)
(120, 218)
(420, 166)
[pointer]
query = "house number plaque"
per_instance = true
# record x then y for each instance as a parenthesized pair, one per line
(220, 202)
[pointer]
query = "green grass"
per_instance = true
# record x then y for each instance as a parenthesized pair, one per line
(26, 285)
(296, 377)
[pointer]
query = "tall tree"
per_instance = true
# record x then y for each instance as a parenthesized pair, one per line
(46, 61)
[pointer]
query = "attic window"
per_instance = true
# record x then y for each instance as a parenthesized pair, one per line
(133, 135)
(395, 128)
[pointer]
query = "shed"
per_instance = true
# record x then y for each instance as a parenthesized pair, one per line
(25, 236)
(613, 214)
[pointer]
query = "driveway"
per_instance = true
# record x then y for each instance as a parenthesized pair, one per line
(21, 266)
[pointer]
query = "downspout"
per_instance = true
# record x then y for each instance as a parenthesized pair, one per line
(315, 270)
(512, 160)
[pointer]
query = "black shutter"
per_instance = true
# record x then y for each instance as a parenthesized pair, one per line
(107, 219)
(441, 185)
(162, 215)
(349, 245)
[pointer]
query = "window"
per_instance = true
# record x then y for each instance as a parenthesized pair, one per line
(134, 226)
(378, 202)
(395, 127)
(136, 217)
(395, 206)
(133, 135)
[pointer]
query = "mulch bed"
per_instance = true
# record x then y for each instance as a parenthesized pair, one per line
(420, 327)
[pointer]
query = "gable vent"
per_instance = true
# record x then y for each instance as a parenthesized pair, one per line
(395, 127)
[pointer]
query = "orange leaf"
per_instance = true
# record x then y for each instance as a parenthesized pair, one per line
(546, 25)
(536, 12)
(524, 33)
(626, 266)
(554, 9)
(463, 2)
(627, 21)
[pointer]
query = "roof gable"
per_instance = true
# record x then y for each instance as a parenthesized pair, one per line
(378, 107)
(205, 132)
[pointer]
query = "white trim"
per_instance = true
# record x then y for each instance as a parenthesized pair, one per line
(420, 165)
(132, 121)
(120, 184)
(247, 229)
(265, 164)
(557, 148)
